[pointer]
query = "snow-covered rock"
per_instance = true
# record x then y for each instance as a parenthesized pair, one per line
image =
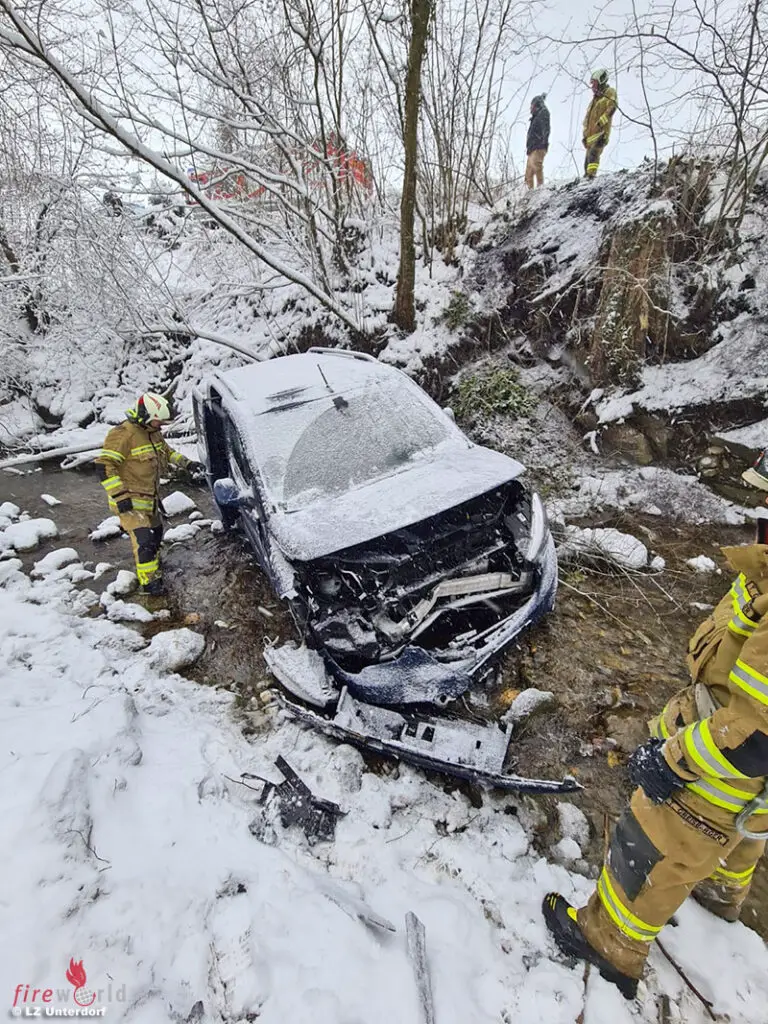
(604, 543)
(10, 510)
(657, 564)
(101, 568)
(55, 560)
(5, 521)
(180, 534)
(50, 500)
(526, 702)
(701, 563)
(109, 527)
(175, 649)
(566, 851)
(26, 536)
(573, 823)
(124, 583)
(177, 502)
(125, 611)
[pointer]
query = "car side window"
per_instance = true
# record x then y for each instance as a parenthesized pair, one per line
(237, 454)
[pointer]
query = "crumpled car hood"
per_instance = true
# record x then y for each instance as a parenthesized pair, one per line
(425, 489)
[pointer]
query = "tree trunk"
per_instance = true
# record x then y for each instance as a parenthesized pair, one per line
(404, 313)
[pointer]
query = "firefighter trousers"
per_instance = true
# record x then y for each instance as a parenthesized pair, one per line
(534, 167)
(592, 159)
(145, 530)
(660, 853)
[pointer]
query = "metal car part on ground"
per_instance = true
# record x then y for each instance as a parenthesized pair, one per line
(410, 557)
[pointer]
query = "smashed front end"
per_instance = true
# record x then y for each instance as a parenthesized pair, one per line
(416, 618)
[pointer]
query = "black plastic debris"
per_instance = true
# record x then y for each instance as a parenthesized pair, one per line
(298, 805)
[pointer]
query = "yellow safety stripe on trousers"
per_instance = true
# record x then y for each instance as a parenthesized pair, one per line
(176, 458)
(592, 168)
(146, 570)
(699, 745)
(142, 449)
(736, 878)
(143, 504)
(722, 795)
(658, 727)
(108, 453)
(750, 680)
(591, 139)
(627, 922)
(112, 483)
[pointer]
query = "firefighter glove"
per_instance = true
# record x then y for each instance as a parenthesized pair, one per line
(648, 769)
(125, 505)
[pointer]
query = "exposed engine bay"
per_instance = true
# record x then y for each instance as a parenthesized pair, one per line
(442, 583)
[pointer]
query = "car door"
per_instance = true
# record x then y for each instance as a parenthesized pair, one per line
(250, 506)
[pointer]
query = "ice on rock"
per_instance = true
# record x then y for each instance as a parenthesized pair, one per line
(55, 560)
(175, 649)
(176, 503)
(26, 536)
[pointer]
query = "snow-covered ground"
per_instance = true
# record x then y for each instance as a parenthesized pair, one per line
(130, 845)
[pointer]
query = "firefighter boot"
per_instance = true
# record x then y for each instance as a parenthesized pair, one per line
(155, 587)
(560, 918)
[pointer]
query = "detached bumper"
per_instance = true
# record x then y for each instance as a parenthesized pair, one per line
(461, 749)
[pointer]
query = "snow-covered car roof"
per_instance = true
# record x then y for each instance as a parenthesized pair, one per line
(314, 374)
(349, 449)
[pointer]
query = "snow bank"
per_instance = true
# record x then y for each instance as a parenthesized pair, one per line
(130, 844)
(649, 489)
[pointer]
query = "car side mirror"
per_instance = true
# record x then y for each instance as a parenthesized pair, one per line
(449, 413)
(226, 492)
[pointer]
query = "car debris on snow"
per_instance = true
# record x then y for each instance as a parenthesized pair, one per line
(298, 805)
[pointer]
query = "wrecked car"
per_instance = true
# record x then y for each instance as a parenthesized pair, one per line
(409, 556)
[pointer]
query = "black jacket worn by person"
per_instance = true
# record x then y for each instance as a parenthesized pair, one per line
(538, 130)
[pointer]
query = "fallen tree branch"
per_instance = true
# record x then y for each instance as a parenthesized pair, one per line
(705, 1002)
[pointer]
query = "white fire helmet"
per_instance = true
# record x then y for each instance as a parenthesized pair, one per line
(152, 407)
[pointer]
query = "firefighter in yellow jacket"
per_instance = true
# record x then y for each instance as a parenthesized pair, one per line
(696, 824)
(134, 457)
(597, 122)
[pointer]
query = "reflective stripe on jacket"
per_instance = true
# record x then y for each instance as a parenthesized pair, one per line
(719, 742)
(133, 460)
(597, 122)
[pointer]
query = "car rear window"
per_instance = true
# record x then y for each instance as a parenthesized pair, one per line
(317, 449)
